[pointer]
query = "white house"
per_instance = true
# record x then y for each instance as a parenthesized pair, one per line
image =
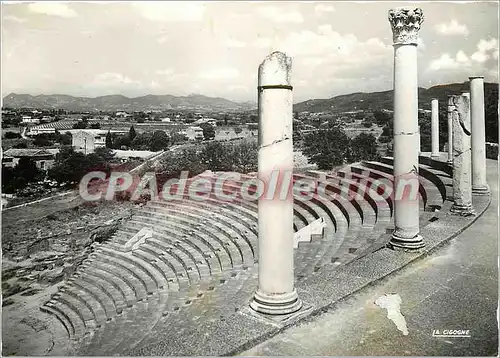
(28, 119)
(194, 133)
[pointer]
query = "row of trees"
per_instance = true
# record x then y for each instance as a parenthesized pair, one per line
(153, 141)
(331, 147)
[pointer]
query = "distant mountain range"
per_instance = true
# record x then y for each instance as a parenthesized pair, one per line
(342, 103)
(384, 99)
(122, 103)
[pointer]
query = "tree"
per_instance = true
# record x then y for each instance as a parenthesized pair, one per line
(95, 125)
(238, 130)
(208, 131)
(382, 118)
(327, 147)
(131, 134)
(71, 166)
(364, 147)
(367, 123)
(109, 140)
(142, 141)
(12, 135)
(424, 121)
(159, 141)
(42, 141)
(176, 137)
(20, 176)
(216, 156)
(81, 124)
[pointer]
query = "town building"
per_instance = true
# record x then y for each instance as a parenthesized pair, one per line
(43, 159)
(29, 119)
(87, 140)
(194, 133)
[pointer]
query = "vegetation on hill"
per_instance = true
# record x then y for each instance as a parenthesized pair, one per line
(330, 147)
(376, 102)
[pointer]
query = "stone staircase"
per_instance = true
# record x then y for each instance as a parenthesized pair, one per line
(184, 265)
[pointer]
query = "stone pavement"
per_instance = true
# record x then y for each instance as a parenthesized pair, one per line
(455, 288)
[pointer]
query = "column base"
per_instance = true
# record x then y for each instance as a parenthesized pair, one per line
(276, 304)
(450, 161)
(414, 244)
(463, 210)
(481, 190)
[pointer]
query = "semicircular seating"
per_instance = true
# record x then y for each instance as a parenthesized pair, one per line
(184, 260)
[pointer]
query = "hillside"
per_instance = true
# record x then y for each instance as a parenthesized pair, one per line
(381, 100)
(119, 102)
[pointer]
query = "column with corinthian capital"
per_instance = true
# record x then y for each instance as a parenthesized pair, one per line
(405, 25)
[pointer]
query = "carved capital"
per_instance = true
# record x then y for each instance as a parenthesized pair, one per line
(405, 24)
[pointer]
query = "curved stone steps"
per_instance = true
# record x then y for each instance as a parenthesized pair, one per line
(387, 171)
(129, 327)
(111, 299)
(182, 254)
(236, 229)
(135, 268)
(121, 292)
(354, 174)
(75, 317)
(300, 218)
(61, 318)
(213, 256)
(378, 175)
(435, 171)
(182, 229)
(163, 268)
(93, 298)
(163, 251)
(374, 209)
(127, 276)
(433, 198)
(237, 212)
(154, 279)
(182, 250)
(308, 253)
(215, 305)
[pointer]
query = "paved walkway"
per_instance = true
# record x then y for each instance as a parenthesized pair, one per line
(456, 288)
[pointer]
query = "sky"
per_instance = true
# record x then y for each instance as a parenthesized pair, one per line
(215, 48)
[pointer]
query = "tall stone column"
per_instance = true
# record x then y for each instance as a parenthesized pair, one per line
(478, 136)
(459, 111)
(450, 136)
(276, 293)
(435, 128)
(405, 24)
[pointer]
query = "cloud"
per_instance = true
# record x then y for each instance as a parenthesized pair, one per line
(321, 8)
(452, 28)
(112, 78)
(278, 15)
(233, 43)
(13, 19)
(221, 73)
(53, 9)
(165, 72)
(486, 49)
(170, 10)
(478, 62)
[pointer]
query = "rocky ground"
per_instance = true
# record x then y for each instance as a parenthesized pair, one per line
(38, 253)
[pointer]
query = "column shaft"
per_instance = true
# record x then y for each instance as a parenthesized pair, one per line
(276, 293)
(435, 128)
(406, 149)
(478, 137)
(459, 111)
